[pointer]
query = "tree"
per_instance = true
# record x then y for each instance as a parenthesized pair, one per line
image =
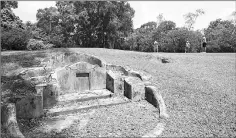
(221, 36)
(14, 39)
(88, 23)
(8, 18)
(162, 29)
(149, 26)
(47, 19)
(190, 18)
(175, 40)
(97, 23)
(160, 19)
(13, 33)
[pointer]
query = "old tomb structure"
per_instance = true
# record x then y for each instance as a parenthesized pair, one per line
(72, 82)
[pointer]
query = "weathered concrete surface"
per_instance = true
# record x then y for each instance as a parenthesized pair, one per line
(50, 94)
(40, 87)
(115, 83)
(154, 97)
(126, 71)
(85, 96)
(39, 79)
(8, 120)
(80, 77)
(29, 107)
(86, 105)
(134, 88)
(116, 68)
(63, 59)
(98, 78)
(34, 72)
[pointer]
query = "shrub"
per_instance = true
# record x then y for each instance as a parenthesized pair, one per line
(48, 46)
(34, 44)
(14, 39)
(56, 40)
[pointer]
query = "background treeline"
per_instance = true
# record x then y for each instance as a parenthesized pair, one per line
(108, 24)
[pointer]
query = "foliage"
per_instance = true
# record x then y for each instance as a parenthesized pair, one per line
(175, 40)
(160, 19)
(190, 18)
(34, 44)
(14, 35)
(8, 18)
(108, 24)
(14, 39)
(162, 29)
(168, 37)
(221, 36)
(88, 23)
(149, 25)
(47, 19)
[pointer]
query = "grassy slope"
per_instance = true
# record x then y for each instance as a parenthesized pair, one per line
(199, 89)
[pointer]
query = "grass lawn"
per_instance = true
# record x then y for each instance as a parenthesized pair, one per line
(198, 88)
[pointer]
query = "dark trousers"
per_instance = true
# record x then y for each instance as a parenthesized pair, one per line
(204, 46)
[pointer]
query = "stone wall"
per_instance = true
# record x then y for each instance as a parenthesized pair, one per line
(154, 97)
(81, 76)
(29, 107)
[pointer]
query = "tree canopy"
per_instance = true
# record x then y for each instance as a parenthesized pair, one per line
(190, 18)
(88, 23)
(8, 18)
(221, 36)
(109, 24)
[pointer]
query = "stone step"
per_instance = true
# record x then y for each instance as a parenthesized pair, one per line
(71, 108)
(38, 79)
(83, 96)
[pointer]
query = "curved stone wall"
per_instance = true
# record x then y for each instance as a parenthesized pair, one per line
(77, 72)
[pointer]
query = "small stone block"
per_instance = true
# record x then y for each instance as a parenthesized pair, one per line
(134, 88)
(115, 83)
(50, 94)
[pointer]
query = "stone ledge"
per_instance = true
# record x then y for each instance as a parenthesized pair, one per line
(8, 120)
(154, 97)
(134, 88)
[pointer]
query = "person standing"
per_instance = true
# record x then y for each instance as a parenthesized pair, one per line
(155, 46)
(187, 47)
(204, 43)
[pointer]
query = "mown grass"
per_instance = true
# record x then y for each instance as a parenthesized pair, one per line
(198, 88)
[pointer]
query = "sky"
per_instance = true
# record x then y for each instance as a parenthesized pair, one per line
(146, 11)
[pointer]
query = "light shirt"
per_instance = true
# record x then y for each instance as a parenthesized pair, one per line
(188, 44)
(204, 39)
